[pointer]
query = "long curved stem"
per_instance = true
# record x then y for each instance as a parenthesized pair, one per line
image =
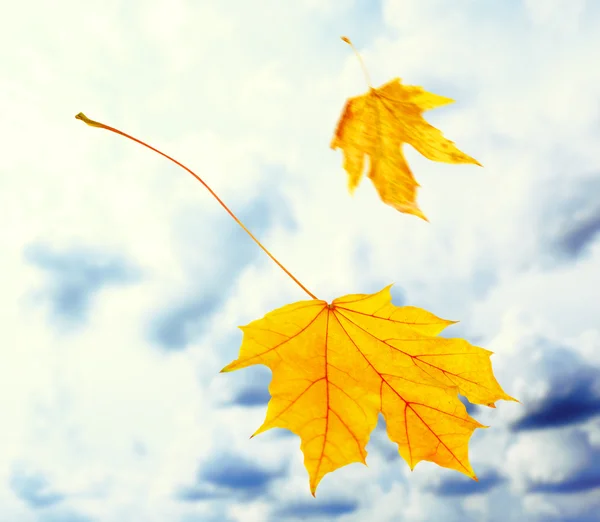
(93, 123)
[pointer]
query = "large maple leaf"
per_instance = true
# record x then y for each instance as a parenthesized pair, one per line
(336, 366)
(377, 124)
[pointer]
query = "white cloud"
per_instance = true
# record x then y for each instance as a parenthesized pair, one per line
(558, 15)
(546, 457)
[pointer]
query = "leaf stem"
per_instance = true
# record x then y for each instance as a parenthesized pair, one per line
(362, 64)
(93, 123)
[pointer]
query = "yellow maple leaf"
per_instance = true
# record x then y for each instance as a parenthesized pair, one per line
(335, 367)
(376, 124)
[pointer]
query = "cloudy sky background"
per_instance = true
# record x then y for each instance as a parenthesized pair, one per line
(123, 282)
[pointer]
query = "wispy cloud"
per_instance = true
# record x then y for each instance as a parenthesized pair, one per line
(34, 489)
(75, 276)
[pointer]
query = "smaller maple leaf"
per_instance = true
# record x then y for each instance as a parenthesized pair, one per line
(376, 124)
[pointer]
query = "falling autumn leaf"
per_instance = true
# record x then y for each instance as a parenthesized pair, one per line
(335, 367)
(377, 124)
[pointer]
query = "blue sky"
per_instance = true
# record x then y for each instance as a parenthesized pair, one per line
(123, 282)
